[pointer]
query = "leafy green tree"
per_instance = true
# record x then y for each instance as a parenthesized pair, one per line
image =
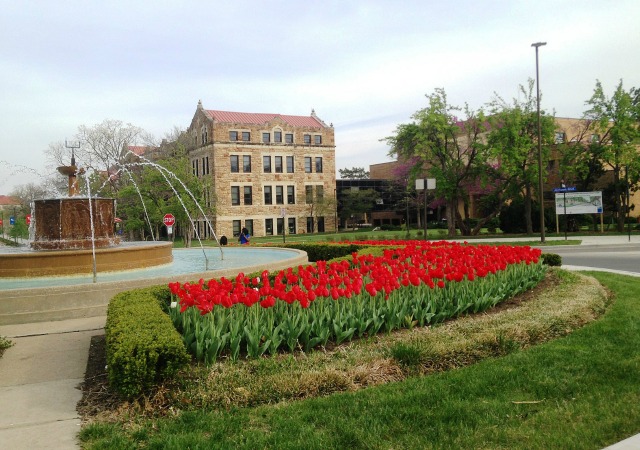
(166, 185)
(19, 228)
(513, 144)
(616, 119)
(355, 173)
(447, 148)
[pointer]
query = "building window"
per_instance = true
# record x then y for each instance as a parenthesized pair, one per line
(308, 194)
(246, 136)
(248, 224)
(266, 138)
(292, 225)
(194, 167)
(206, 165)
(277, 136)
(279, 195)
(235, 195)
(236, 228)
(307, 139)
(246, 163)
(317, 139)
(289, 164)
(268, 226)
(559, 137)
(595, 138)
(266, 164)
(268, 200)
(309, 224)
(233, 135)
(248, 195)
(280, 225)
(307, 164)
(291, 195)
(278, 164)
(319, 164)
(320, 224)
(288, 138)
(319, 193)
(235, 167)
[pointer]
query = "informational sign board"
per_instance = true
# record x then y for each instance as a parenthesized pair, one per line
(579, 203)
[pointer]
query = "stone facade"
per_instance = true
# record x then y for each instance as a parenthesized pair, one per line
(266, 171)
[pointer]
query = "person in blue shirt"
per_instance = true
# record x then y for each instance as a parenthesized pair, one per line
(244, 236)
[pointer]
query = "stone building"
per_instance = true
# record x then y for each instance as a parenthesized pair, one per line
(266, 172)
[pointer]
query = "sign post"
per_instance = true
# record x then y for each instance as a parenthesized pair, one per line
(169, 220)
(425, 184)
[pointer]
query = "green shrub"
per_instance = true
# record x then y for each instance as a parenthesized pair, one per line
(551, 259)
(143, 347)
(324, 252)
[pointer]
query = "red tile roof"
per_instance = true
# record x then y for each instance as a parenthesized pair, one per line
(138, 149)
(261, 118)
(7, 200)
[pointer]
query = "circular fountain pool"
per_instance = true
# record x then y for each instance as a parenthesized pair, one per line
(40, 299)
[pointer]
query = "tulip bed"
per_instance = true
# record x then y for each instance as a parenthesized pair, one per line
(415, 283)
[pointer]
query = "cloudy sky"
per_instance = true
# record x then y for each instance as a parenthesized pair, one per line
(364, 66)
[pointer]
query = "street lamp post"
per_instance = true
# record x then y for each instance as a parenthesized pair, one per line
(540, 187)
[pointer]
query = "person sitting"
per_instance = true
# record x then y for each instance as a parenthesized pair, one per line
(244, 236)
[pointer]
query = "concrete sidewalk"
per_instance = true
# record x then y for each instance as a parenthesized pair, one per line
(39, 382)
(41, 373)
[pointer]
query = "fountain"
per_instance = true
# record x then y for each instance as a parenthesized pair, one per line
(74, 237)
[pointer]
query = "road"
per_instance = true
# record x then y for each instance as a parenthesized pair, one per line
(624, 257)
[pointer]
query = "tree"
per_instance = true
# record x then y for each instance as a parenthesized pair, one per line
(317, 204)
(103, 147)
(447, 148)
(616, 120)
(513, 146)
(355, 173)
(166, 185)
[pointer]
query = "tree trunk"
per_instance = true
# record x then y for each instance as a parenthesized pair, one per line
(452, 206)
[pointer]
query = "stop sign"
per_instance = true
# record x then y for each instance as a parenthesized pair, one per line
(168, 220)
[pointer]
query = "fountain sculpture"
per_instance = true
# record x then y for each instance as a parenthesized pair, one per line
(75, 235)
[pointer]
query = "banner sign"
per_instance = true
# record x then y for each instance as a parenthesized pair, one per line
(579, 203)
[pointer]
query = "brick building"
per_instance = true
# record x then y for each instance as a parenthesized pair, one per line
(266, 172)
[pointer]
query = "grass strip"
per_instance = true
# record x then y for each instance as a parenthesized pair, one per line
(578, 391)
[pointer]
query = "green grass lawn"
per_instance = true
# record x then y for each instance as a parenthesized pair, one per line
(369, 234)
(580, 391)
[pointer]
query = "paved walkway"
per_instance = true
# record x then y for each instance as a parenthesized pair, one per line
(41, 373)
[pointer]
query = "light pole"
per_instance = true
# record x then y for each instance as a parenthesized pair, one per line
(540, 187)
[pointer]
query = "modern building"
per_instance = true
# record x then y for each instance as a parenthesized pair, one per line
(270, 173)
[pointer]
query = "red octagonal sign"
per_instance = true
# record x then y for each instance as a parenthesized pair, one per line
(169, 220)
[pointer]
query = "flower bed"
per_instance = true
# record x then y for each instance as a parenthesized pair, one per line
(414, 284)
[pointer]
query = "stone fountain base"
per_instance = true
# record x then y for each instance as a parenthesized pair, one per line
(66, 224)
(77, 262)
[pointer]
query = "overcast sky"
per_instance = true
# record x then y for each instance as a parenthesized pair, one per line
(364, 66)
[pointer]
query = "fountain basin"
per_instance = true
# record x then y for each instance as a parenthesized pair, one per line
(43, 299)
(29, 264)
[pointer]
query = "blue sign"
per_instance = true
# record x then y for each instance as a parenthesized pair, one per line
(565, 189)
(12, 220)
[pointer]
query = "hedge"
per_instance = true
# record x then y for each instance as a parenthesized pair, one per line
(143, 347)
